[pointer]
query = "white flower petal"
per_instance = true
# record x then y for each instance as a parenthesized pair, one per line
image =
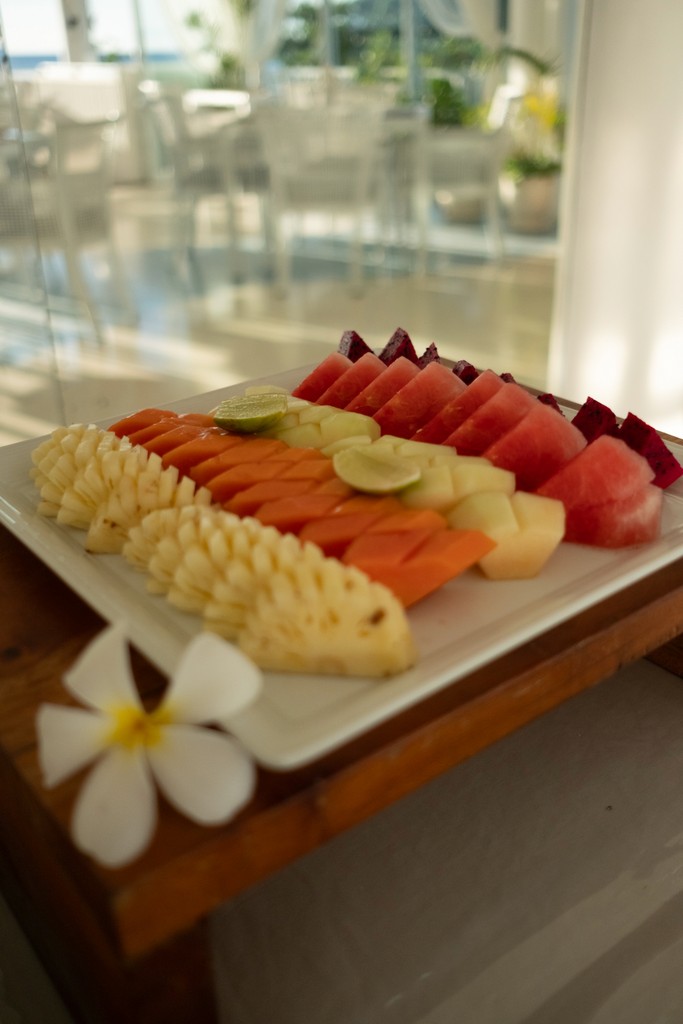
(205, 775)
(115, 813)
(68, 739)
(213, 681)
(101, 676)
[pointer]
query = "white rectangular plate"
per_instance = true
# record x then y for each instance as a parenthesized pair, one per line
(464, 625)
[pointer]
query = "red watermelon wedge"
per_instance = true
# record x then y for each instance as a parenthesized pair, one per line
(352, 381)
(418, 400)
(605, 470)
(635, 519)
(536, 447)
(324, 374)
(383, 387)
(491, 419)
(443, 423)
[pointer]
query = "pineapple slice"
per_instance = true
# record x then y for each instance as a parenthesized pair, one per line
(61, 457)
(330, 620)
(244, 578)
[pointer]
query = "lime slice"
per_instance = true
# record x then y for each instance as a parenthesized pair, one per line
(247, 414)
(374, 471)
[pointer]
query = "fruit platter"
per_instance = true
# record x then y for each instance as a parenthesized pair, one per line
(369, 530)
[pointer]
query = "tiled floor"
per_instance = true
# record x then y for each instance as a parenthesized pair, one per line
(196, 332)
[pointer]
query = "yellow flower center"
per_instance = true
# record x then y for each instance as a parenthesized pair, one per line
(133, 727)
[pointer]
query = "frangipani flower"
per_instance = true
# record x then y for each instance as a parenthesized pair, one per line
(202, 772)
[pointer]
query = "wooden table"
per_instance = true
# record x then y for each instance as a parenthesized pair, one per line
(131, 945)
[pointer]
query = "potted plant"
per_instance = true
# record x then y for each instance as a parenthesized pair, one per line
(531, 171)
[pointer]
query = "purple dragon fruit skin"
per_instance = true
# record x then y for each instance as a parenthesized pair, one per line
(465, 371)
(353, 346)
(548, 399)
(399, 344)
(645, 440)
(594, 419)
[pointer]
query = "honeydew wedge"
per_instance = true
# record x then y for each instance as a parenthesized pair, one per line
(472, 474)
(527, 529)
(301, 435)
(434, 490)
(354, 441)
(347, 424)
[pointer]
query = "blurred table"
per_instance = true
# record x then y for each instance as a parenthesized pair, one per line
(132, 945)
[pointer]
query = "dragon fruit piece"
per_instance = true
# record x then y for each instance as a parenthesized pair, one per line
(430, 355)
(548, 399)
(352, 346)
(465, 371)
(508, 378)
(645, 440)
(594, 419)
(399, 344)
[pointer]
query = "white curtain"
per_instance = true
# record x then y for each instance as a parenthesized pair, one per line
(478, 18)
(253, 40)
(618, 324)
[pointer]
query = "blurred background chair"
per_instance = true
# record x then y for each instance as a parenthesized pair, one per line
(460, 168)
(209, 153)
(54, 201)
(324, 162)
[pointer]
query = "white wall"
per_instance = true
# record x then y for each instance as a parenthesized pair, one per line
(618, 330)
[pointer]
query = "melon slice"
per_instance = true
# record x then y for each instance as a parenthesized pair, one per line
(237, 451)
(238, 478)
(383, 387)
(191, 454)
(412, 565)
(537, 447)
(645, 440)
(138, 420)
(320, 378)
(290, 513)
(448, 419)
(345, 388)
(605, 470)
(491, 419)
(418, 400)
(634, 519)
(169, 439)
(526, 527)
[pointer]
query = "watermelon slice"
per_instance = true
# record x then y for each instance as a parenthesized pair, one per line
(645, 440)
(491, 419)
(320, 378)
(383, 387)
(594, 419)
(605, 470)
(399, 346)
(418, 400)
(537, 447)
(459, 408)
(635, 519)
(353, 346)
(345, 388)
